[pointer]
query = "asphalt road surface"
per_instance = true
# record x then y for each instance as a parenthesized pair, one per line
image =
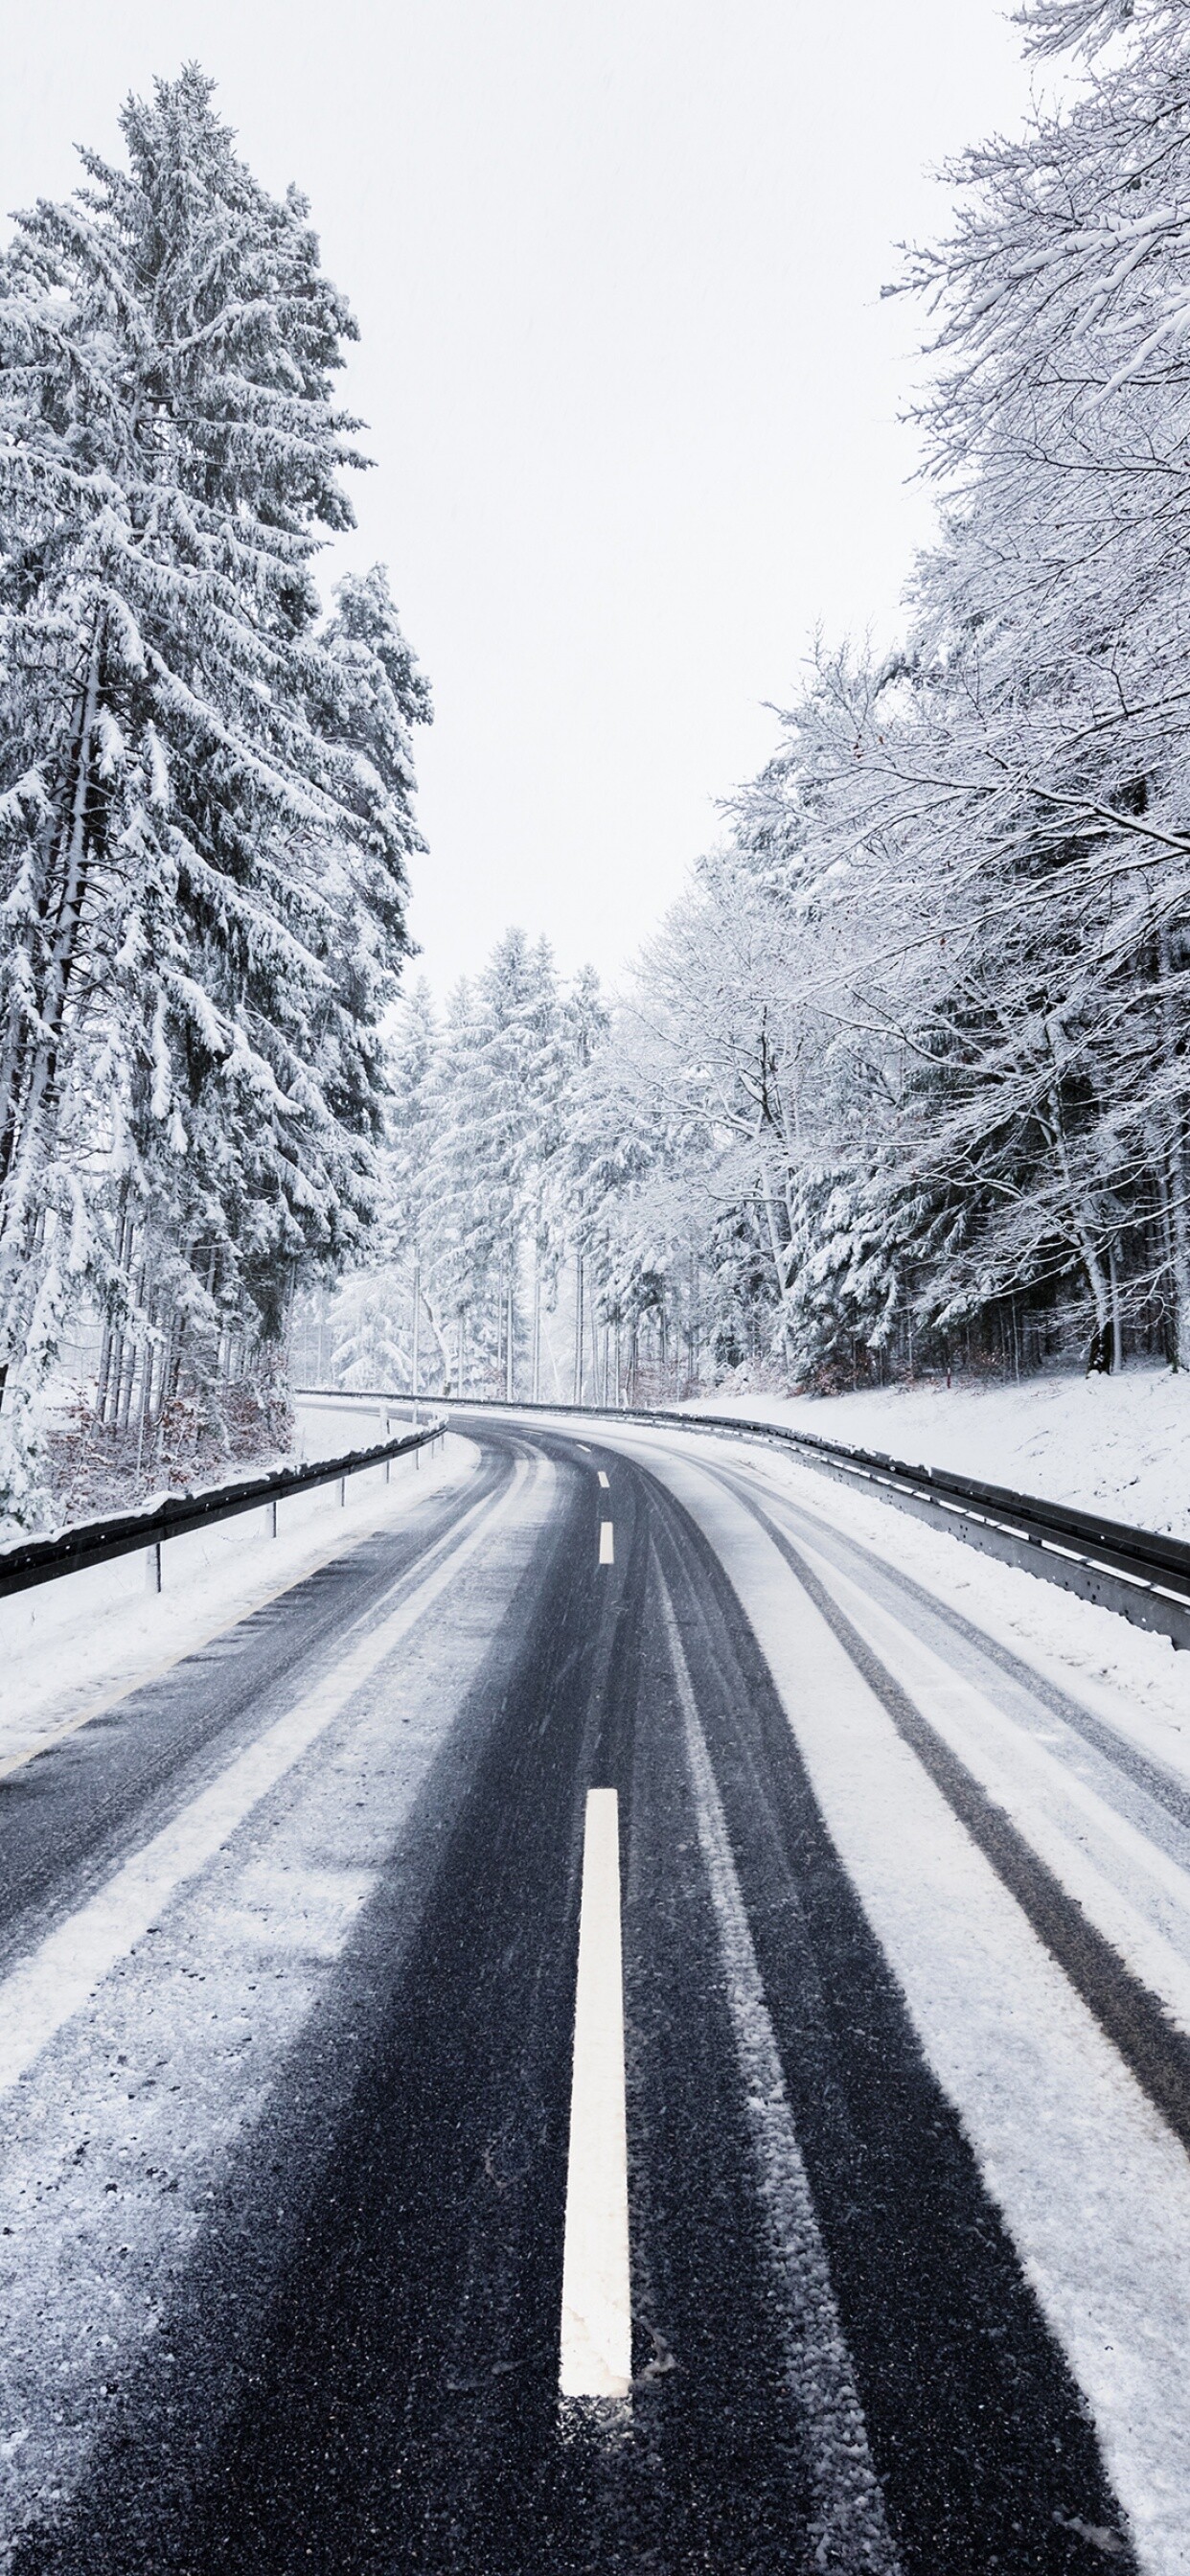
(288, 1945)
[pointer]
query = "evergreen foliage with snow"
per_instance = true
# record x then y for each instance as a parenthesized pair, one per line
(906, 1075)
(205, 785)
(921, 1032)
(481, 1187)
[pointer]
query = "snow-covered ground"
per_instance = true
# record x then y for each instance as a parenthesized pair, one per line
(74, 1645)
(71, 1647)
(1136, 1682)
(1038, 2086)
(326, 1428)
(143, 2039)
(1122, 1443)
(151, 2031)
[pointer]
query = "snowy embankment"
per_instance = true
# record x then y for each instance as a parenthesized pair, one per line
(1122, 1443)
(70, 1647)
(1119, 1443)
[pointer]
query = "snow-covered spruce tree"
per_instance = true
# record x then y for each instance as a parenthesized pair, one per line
(480, 1212)
(205, 793)
(500, 1071)
(387, 1307)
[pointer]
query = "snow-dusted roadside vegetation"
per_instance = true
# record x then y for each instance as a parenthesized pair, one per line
(205, 810)
(902, 1084)
(472, 1283)
(916, 1044)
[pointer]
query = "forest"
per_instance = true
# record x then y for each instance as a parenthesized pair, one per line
(902, 1082)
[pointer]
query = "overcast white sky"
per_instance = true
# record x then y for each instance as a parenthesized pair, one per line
(631, 392)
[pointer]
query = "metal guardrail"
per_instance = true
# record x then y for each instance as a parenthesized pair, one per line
(1141, 1574)
(40, 1560)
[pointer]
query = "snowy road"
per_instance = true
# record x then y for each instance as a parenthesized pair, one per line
(288, 1945)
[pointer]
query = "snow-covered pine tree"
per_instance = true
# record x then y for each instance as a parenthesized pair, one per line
(205, 795)
(499, 1072)
(477, 1210)
(517, 1076)
(385, 1317)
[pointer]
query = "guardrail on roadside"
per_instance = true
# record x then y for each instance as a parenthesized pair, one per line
(40, 1560)
(1141, 1574)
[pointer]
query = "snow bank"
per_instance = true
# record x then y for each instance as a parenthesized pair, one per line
(117, 2142)
(1120, 1443)
(70, 1647)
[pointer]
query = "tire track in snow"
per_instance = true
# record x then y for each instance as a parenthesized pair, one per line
(848, 2529)
(63, 1972)
(1153, 1785)
(1133, 2018)
(115, 2144)
(1089, 2183)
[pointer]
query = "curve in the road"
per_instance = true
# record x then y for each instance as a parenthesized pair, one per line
(842, 2354)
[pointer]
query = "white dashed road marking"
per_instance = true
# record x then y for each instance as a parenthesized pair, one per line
(596, 2358)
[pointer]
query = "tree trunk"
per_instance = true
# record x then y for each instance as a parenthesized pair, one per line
(781, 1259)
(1117, 1321)
(578, 1329)
(31, 1083)
(1175, 1155)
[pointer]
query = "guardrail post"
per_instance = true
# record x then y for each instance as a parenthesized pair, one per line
(153, 1567)
(273, 1517)
(342, 1491)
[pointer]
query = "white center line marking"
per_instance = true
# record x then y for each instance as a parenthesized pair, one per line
(596, 2359)
(604, 1481)
(606, 1544)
